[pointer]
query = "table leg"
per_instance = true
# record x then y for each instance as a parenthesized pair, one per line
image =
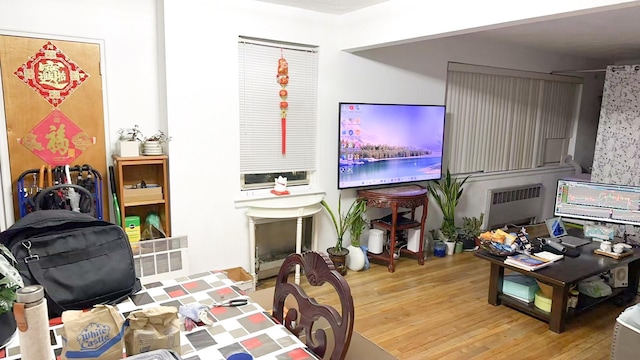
(633, 277)
(298, 246)
(495, 284)
(423, 219)
(392, 236)
(252, 250)
(558, 308)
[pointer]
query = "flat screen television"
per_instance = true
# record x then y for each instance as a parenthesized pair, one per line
(599, 202)
(387, 144)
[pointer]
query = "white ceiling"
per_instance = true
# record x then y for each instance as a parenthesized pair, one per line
(612, 36)
(337, 7)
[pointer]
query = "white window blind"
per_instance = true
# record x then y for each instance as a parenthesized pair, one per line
(510, 121)
(260, 125)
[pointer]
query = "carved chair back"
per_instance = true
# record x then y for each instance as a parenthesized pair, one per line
(303, 318)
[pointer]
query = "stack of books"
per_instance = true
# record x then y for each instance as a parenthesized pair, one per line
(527, 262)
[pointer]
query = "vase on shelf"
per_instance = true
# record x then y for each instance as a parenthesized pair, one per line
(152, 148)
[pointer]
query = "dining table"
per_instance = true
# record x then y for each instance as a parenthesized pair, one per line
(234, 329)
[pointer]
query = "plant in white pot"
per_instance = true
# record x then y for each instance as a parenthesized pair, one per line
(10, 282)
(447, 192)
(129, 141)
(342, 223)
(357, 258)
(152, 145)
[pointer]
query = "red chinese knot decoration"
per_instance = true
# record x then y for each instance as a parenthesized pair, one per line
(283, 80)
(51, 74)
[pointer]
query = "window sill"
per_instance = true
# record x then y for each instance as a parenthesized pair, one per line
(498, 175)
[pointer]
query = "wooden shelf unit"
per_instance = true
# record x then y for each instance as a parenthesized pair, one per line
(153, 170)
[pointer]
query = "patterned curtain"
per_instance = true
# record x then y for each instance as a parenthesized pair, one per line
(617, 157)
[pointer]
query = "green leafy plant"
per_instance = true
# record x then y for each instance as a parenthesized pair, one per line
(471, 226)
(345, 221)
(159, 136)
(10, 280)
(447, 192)
(130, 134)
(358, 223)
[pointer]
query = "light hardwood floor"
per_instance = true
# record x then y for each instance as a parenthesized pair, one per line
(440, 311)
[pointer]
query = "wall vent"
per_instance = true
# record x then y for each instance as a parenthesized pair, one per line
(513, 205)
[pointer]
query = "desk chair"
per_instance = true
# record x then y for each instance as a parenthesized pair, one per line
(306, 319)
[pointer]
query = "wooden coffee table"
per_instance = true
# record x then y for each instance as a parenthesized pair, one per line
(562, 275)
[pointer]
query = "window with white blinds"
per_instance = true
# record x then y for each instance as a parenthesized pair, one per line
(260, 115)
(500, 119)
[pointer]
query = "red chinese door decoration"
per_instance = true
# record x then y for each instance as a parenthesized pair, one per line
(56, 139)
(283, 80)
(51, 74)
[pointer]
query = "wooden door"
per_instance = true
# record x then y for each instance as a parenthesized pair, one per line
(47, 84)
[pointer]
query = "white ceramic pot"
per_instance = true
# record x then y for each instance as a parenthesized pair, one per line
(451, 247)
(355, 258)
(152, 148)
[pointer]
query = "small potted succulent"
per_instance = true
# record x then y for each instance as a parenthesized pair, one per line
(471, 229)
(10, 282)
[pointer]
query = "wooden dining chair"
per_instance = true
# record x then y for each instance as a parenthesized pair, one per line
(307, 319)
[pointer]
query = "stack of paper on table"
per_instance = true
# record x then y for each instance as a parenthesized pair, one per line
(548, 255)
(527, 262)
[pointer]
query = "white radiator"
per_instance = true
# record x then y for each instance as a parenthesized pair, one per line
(513, 205)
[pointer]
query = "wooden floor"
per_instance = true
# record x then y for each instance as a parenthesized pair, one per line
(440, 311)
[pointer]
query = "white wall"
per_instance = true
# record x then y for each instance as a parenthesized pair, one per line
(200, 43)
(131, 66)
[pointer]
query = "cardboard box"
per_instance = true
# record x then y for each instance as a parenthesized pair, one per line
(243, 280)
(359, 348)
(132, 228)
(143, 194)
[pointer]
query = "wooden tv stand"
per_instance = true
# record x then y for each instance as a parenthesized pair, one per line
(407, 197)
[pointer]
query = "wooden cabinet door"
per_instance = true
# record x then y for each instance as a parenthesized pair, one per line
(26, 109)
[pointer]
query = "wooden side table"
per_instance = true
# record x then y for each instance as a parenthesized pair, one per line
(407, 197)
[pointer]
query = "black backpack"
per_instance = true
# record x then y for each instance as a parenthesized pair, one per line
(79, 260)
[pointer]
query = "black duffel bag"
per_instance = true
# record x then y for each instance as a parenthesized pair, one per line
(79, 260)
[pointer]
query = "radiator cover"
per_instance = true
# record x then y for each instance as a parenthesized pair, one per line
(513, 205)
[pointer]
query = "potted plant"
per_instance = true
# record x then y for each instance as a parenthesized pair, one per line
(129, 141)
(471, 229)
(342, 223)
(10, 281)
(152, 145)
(447, 192)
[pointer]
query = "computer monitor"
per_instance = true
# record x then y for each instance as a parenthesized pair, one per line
(598, 202)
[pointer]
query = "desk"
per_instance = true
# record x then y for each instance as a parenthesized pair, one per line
(561, 275)
(408, 197)
(246, 328)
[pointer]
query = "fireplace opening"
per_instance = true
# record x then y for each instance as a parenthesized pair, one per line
(275, 239)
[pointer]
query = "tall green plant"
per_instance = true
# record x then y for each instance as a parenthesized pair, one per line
(344, 221)
(358, 223)
(447, 192)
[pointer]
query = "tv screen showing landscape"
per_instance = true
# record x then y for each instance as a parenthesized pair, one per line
(386, 144)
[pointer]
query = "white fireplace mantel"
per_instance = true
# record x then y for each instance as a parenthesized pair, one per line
(300, 203)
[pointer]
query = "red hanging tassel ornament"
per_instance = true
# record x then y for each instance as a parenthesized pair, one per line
(283, 80)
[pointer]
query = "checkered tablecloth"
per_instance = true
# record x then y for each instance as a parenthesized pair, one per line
(245, 328)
